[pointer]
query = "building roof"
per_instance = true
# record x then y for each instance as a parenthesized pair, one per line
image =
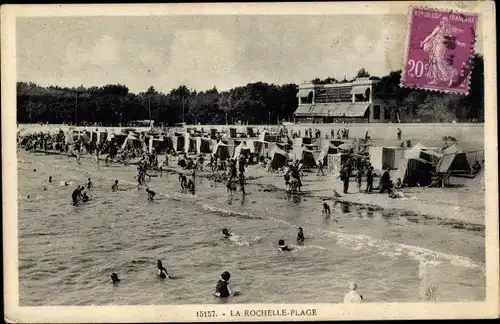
(360, 82)
(304, 93)
(341, 109)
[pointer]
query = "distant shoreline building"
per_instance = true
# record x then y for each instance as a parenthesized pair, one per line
(352, 102)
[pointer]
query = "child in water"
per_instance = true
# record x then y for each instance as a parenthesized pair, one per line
(115, 278)
(162, 272)
(89, 184)
(226, 233)
(222, 289)
(300, 236)
(282, 246)
(151, 194)
(114, 187)
(326, 208)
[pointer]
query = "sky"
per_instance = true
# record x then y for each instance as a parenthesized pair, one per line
(205, 51)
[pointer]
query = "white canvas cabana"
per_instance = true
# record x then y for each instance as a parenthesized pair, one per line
(222, 151)
(279, 157)
(242, 148)
(131, 141)
(422, 152)
(203, 145)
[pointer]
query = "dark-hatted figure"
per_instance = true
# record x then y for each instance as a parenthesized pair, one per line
(222, 289)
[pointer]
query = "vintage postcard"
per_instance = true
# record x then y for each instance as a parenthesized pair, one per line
(249, 162)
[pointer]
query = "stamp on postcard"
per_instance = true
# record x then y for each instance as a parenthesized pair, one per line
(439, 49)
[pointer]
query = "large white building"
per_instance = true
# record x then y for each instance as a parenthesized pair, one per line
(339, 102)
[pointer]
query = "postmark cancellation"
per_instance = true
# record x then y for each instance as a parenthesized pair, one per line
(439, 48)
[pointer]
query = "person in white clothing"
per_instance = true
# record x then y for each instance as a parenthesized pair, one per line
(352, 297)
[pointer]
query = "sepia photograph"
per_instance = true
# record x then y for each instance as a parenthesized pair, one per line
(215, 159)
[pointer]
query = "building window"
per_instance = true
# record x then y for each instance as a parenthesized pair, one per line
(376, 112)
(387, 113)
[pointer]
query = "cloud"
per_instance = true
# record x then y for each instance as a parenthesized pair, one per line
(104, 51)
(201, 57)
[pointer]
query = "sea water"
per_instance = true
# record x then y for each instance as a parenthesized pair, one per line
(67, 253)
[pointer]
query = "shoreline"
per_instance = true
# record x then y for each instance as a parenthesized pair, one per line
(461, 207)
(419, 202)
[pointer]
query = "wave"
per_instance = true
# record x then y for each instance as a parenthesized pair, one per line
(393, 249)
(229, 213)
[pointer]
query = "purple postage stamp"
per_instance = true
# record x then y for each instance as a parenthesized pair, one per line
(439, 48)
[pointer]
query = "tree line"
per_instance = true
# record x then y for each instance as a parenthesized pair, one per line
(254, 103)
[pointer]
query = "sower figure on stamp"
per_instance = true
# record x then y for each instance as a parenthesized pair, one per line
(442, 37)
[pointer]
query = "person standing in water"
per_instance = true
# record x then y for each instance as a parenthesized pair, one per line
(89, 184)
(115, 278)
(114, 187)
(222, 289)
(162, 272)
(75, 196)
(300, 236)
(50, 179)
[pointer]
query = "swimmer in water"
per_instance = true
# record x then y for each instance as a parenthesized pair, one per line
(85, 198)
(50, 179)
(34, 170)
(162, 272)
(115, 278)
(326, 208)
(66, 183)
(300, 236)
(89, 184)
(115, 186)
(222, 289)
(151, 194)
(75, 196)
(44, 189)
(226, 233)
(282, 246)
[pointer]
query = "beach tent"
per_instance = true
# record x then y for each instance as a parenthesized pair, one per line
(221, 150)
(203, 145)
(325, 151)
(479, 178)
(414, 170)
(241, 149)
(68, 137)
(159, 144)
(383, 157)
(307, 157)
(132, 141)
(460, 162)
(110, 136)
(421, 152)
(180, 141)
(335, 162)
(266, 136)
(187, 142)
(261, 147)
(102, 137)
(193, 147)
(279, 157)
